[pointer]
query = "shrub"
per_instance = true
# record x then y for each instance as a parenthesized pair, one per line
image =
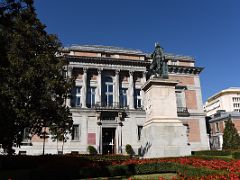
(92, 150)
(236, 155)
(129, 150)
(212, 153)
(231, 138)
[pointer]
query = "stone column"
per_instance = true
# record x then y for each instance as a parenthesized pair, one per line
(131, 90)
(99, 87)
(144, 78)
(69, 76)
(84, 89)
(116, 88)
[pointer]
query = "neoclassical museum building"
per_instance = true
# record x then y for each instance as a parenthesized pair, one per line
(107, 102)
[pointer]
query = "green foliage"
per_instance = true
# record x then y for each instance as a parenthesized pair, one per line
(73, 167)
(129, 150)
(236, 155)
(92, 150)
(32, 86)
(231, 138)
(212, 153)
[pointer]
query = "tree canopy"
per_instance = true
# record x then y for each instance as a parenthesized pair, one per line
(231, 138)
(33, 88)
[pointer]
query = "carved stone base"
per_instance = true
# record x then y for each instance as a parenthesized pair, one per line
(164, 140)
(163, 133)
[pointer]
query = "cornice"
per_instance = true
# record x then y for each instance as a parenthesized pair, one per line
(105, 60)
(184, 69)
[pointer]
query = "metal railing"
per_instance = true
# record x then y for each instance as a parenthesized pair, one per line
(104, 105)
(182, 111)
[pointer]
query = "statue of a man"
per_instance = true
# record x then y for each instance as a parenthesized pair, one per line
(159, 67)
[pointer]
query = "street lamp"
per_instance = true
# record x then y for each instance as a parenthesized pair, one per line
(121, 125)
(99, 123)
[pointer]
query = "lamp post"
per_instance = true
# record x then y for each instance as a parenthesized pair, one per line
(99, 123)
(121, 125)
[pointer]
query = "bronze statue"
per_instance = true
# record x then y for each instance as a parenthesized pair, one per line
(159, 67)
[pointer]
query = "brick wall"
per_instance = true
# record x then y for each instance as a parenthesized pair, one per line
(191, 99)
(89, 54)
(129, 57)
(194, 130)
(183, 80)
(237, 124)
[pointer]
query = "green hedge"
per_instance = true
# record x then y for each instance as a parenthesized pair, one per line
(214, 157)
(67, 167)
(147, 168)
(212, 153)
(236, 155)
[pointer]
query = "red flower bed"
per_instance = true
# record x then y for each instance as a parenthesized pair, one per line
(232, 168)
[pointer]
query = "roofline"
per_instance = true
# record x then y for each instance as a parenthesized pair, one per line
(120, 50)
(223, 92)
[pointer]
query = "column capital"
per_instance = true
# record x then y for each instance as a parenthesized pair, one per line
(117, 71)
(70, 67)
(131, 72)
(144, 72)
(85, 69)
(99, 70)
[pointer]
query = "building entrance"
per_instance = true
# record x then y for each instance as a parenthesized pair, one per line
(108, 140)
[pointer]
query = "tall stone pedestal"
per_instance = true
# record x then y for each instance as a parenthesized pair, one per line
(163, 133)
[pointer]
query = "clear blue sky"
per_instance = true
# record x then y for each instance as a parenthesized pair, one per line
(208, 30)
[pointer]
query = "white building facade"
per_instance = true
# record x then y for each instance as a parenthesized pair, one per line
(227, 100)
(107, 101)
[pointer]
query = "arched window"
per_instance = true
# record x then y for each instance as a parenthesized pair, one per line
(108, 91)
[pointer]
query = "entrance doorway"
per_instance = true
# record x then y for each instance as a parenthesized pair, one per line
(108, 140)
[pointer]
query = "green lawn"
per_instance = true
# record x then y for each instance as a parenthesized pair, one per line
(138, 177)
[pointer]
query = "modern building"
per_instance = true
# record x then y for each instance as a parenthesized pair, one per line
(217, 125)
(107, 102)
(222, 106)
(227, 99)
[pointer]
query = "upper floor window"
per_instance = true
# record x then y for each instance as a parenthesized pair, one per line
(180, 98)
(138, 98)
(123, 97)
(108, 91)
(236, 99)
(76, 96)
(91, 96)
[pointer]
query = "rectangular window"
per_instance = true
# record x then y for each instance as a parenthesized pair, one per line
(26, 133)
(188, 129)
(91, 97)
(180, 97)
(76, 93)
(138, 98)
(139, 132)
(75, 132)
(123, 97)
(217, 127)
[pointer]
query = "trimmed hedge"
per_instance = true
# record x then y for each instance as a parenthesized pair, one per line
(212, 153)
(236, 155)
(147, 168)
(73, 167)
(214, 157)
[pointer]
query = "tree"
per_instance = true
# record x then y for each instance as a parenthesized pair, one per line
(231, 138)
(32, 88)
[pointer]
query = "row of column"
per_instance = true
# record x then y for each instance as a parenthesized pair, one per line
(99, 87)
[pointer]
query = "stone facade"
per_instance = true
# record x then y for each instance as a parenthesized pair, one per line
(107, 102)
